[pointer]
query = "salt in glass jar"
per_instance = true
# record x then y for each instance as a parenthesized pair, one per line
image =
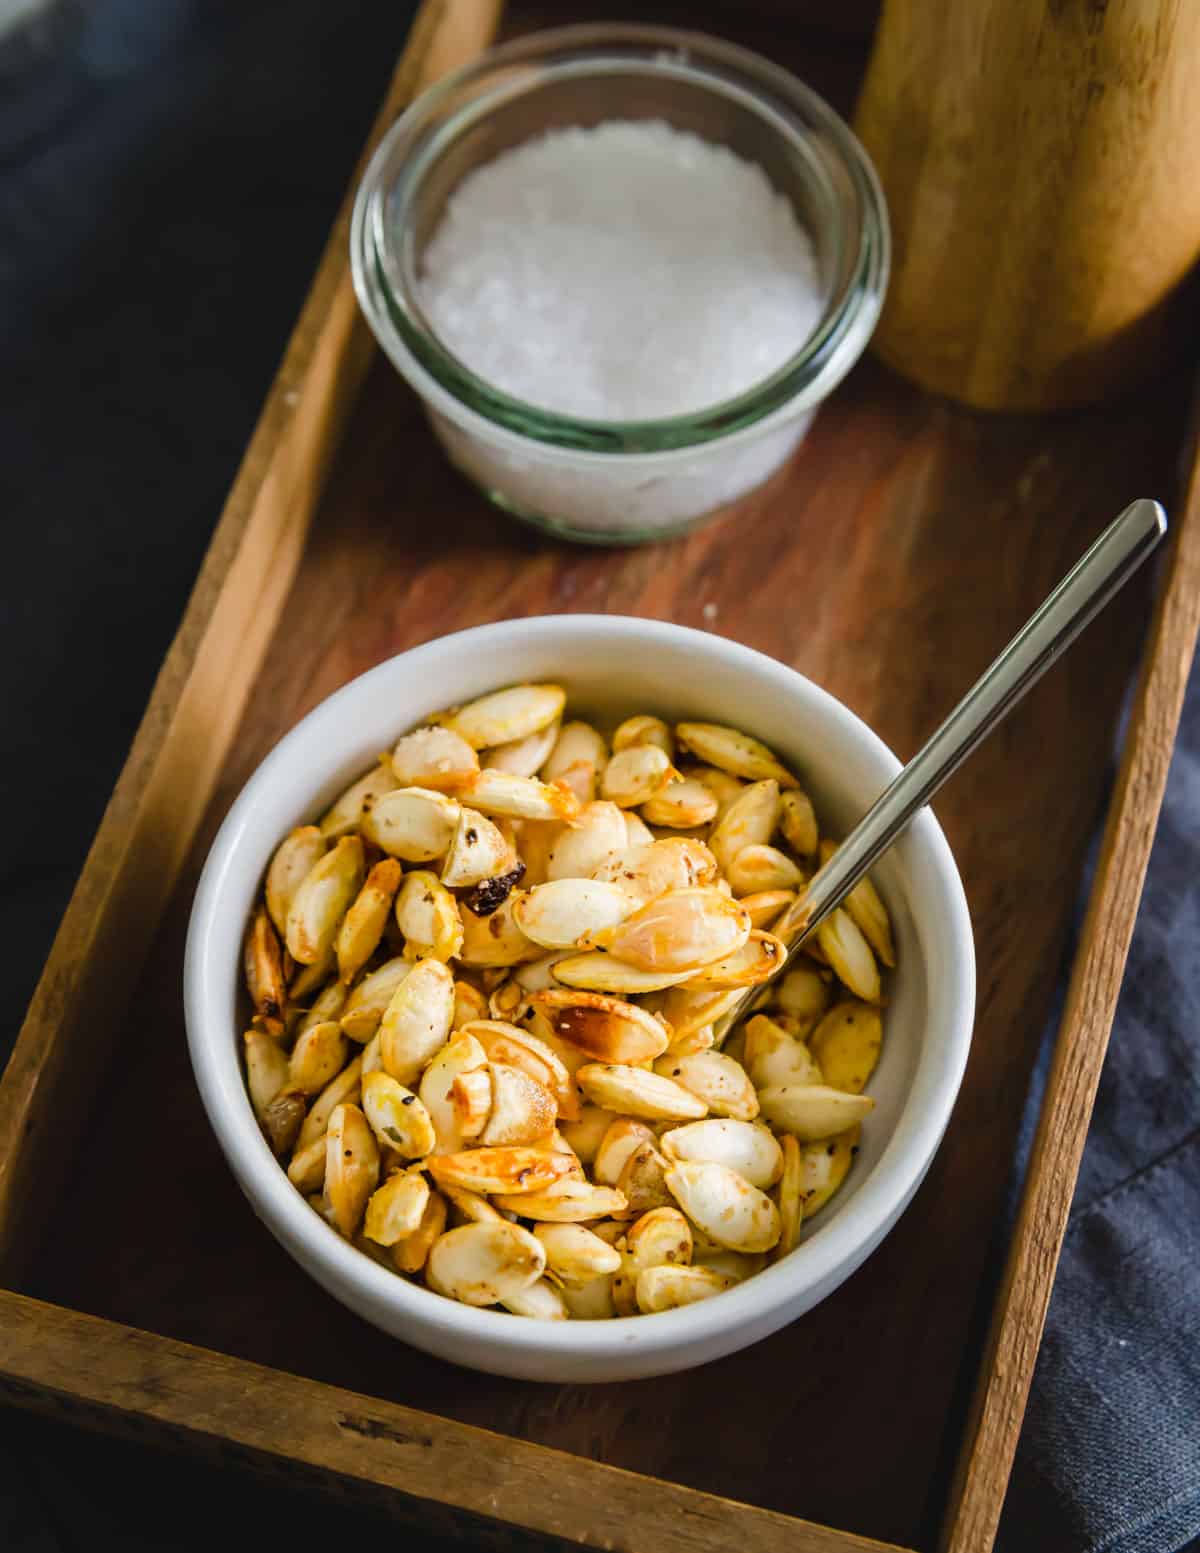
(620, 482)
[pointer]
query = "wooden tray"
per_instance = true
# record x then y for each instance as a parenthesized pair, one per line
(891, 559)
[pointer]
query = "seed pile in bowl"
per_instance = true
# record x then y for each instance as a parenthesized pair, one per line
(484, 993)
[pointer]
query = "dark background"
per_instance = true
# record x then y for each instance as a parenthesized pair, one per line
(168, 173)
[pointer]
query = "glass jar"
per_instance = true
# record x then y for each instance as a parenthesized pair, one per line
(606, 481)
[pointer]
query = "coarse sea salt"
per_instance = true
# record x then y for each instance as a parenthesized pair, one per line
(628, 272)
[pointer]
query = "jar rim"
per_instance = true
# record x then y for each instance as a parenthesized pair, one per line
(792, 111)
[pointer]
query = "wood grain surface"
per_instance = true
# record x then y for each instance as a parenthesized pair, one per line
(890, 560)
(1038, 165)
(424, 1471)
(898, 552)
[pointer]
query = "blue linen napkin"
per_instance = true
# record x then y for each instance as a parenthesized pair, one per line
(1109, 1456)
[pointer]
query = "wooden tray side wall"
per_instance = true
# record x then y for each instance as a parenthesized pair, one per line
(200, 694)
(111, 1375)
(1006, 1373)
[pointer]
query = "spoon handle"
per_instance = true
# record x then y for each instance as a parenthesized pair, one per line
(1079, 597)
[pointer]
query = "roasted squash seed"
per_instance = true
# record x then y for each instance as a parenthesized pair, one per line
(532, 938)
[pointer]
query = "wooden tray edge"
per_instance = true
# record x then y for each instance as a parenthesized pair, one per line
(200, 693)
(105, 1375)
(1006, 1372)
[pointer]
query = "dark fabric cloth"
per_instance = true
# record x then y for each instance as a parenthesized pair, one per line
(168, 172)
(1109, 1459)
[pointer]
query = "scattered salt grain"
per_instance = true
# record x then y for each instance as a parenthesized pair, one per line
(626, 272)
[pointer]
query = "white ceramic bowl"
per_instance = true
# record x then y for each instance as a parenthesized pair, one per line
(609, 664)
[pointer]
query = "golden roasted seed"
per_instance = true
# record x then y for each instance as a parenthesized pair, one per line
(470, 1207)
(416, 824)
(362, 926)
(574, 1255)
(771, 1055)
(750, 820)
(767, 906)
(416, 1024)
(636, 774)
(644, 730)
(517, 1170)
(752, 964)
(322, 899)
(849, 954)
(642, 1181)
(531, 1053)
(566, 913)
(578, 757)
(522, 1110)
(357, 801)
(469, 1004)
(317, 1058)
(660, 1238)
(701, 1039)
(428, 916)
(761, 867)
(541, 1301)
(398, 1118)
(503, 716)
(811, 1112)
(606, 1029)
(461, 1054)
(586, 1133)
(410, 1254)
(496, 941)
(798, 823)
(266, 1069)
(715, 1079)
(823, 1168)
(725, 1206)
(596, 971)
(597, 838)
(483, 1264)
(282, 1120)
(846, 1043)
(721, 784)
(750, 1149)
(471, 1097)
(669, 1288)
(517, 797)
(351, 1167)
(680, 931)
(735, 1265)
(366, 1004)
(329, 1004)
(730, 750)
(681, 805)
(306, 1171)
(565, 1201)
(432, 758)
(865, 906)
(395, 1210)
(688, 1009)
(623, 1137)
(342, 1090)
(802, 993)
(636, 1092)
(295, 858)
(524, 757)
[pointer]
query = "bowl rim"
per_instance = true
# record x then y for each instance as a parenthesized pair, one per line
(834, 1249)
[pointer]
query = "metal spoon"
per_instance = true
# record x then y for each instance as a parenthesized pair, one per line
(1079, 597)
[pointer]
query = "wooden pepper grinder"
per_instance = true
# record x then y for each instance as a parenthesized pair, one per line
(1041, 160)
